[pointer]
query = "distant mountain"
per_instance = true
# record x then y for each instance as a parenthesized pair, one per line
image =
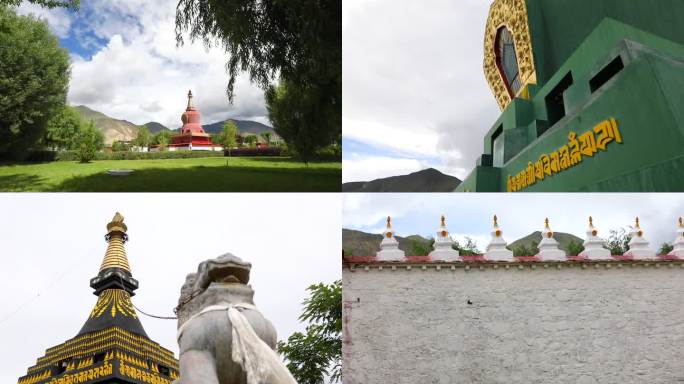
(244, 126)
(155, 127)
(358, 243)
(113, 129)
(427, 180)
(563, 239)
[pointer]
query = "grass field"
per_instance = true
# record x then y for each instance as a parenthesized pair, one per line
(211, 174)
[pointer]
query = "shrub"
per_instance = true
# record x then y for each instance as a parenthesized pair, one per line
(73, 155)
(268, 151)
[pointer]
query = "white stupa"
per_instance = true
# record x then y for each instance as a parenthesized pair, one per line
(496, 250)
(548, 247)
(443, 243)
(389, 247)
(593, 245)
(639, 246)
(678, 243)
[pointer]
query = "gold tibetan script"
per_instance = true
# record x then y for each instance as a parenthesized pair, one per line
(585, 146)
(104, 370)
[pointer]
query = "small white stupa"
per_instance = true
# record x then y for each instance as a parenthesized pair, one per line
(443, 243)
(678, 243)
(639, 246)
(593, 245)
(548, 247)
(496, 250)
(389, 247)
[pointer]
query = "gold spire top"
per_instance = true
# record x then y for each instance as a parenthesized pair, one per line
(591, 221)
(637, 222)
(546, 223)
(190, 99)
(496, 223)
(442, 221)
(115, 257)
(389, 222)
(681, 224)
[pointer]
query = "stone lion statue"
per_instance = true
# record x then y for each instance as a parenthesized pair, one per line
(223, 338)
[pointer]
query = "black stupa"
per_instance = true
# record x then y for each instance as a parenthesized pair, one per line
(112, 346)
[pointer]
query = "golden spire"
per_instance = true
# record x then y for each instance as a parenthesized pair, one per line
(637, 222)
(190, 106)
(591, 221)
(546, 223)
(444, 232)
(496, 224)
(681, 224)
(442, 223)
(115, 257)
(389, 222)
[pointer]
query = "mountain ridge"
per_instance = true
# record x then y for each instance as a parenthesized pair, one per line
(426, 180)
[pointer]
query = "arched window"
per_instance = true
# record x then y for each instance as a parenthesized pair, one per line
(507, 60)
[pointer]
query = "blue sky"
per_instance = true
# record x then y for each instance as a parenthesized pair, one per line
(125, 63)
(415, 96)
(519, 215)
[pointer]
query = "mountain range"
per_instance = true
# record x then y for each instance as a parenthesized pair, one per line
(427, 180)
(358, 243)
(122, 130)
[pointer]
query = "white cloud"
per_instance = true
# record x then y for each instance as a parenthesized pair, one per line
(366, 168)
(416, 83)
(58, 20)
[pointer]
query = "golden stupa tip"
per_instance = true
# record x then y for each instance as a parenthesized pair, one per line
(442, 221)
(118, 218)
(591, 221)
(389, 222)
(681, 224)
(637, 222)
(496, 224)
(546, 223)
(117, 223)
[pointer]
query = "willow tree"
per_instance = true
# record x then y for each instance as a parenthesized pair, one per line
(72, 4)
(297, 43)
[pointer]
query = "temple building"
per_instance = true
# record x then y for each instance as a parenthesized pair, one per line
(112, 346)
(191, 136)
(590, 93)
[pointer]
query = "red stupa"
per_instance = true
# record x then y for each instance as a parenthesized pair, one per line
(192, 136)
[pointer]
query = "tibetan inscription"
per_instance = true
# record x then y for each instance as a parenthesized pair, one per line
(579, 147)
(85, 376)
(141, 375)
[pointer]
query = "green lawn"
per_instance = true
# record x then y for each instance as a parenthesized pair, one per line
(210, 174)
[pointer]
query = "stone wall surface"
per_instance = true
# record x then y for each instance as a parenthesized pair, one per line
(571, 325)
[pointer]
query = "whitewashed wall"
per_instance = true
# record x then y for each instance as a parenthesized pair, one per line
(573, 325)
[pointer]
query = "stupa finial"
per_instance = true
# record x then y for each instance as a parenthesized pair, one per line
(389, 222)
(591, 221)
(442, 221)
(637, 222)
(115, 256)
(496, 224)
(190, 106)
(546, 223)
(681, 223)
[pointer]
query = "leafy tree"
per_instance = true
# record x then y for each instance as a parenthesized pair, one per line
(63, 129)
(228, 137)
(162, 139)
(266, 136)
(34, 78)
(574, 248)
(469, 249)
(317, 353)
(119, 146)
(618, 241)
(143, 138)
(251, 140)
(665, 249)
(302, 117)
(299, 40)
(90, 140)
(419, 247)
(523, 250)
(72, 4)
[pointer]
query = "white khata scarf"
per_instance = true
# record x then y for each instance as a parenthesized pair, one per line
(257, 359)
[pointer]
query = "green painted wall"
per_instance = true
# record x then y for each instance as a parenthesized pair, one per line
(646, 99)
(558, 27)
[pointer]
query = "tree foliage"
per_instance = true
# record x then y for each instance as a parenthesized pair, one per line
(162, 139)
(317, 353)
(419, 247)
(251, 140)
(229, 135)
(90, 140)
(63, 129)
(297, 41)
(575, 248)
(467, 249)
(72, 4)
(665, 249)
(523, 250)
(143, 138)
(266, 136)
(120, 146)
(34, 78)
(618, 241)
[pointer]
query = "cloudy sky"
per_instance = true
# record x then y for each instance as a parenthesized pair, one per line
(125, 63)
(415, 95)
(53, 244)
(519, 214)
